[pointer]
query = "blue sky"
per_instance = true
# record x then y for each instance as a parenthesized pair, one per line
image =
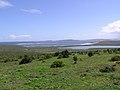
(22, 20)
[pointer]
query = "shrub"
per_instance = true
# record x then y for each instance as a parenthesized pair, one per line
(65, 54)
(42, 57)
(115, 58)
(7, 60)
(75, 59)
(56, 54)
(90, 54)
(48, 56)
(60, 56)
(45, 56)
(20, 57)
(56, 64)
(107, 68)
(25, 60)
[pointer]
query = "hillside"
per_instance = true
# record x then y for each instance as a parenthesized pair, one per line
(79, 71)
(109, 43)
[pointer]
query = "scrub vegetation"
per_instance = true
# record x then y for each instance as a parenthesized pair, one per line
(35, 69)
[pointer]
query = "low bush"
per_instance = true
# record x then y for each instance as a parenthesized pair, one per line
(75, 59)
(56, 64)
(8, 60)
(115, 58)
(60, 56)
(63, 54)
(107, 68)
(44, 57)
(90, 54)
(26, 59)
(48, 56)
(56, 54)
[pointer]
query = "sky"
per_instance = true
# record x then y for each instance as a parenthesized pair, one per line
(39, 20)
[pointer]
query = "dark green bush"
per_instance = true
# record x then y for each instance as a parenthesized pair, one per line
(48, 56)
(44, 57)
(115, 58)
(7, 60)
(75, 59)
(60, 56)
(56, 64)
(56, 54)
(107, 68)
(90, 54)
(65, 54)
(26, 59)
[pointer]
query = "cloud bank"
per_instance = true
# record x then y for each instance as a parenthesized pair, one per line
(19, 36)
(32, 11)
(112, 27)
(112, 30)
(5, 3)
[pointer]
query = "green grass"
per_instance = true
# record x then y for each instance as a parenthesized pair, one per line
(37, 75)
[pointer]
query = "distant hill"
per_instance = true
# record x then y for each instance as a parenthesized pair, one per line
(68, 42)
(109, 43)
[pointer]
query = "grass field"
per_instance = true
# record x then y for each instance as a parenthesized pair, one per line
(37, 75)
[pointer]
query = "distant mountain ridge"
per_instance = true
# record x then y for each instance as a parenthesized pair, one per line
(66, 42)
(109, 43)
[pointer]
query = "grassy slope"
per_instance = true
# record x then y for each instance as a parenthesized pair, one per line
(84, 75)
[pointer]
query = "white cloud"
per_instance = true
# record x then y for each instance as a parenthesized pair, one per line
(19, 36)
(33, 11)
(112, 28)
(5, 3)
(110, 31)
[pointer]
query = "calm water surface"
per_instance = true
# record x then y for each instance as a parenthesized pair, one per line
(91, 47)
